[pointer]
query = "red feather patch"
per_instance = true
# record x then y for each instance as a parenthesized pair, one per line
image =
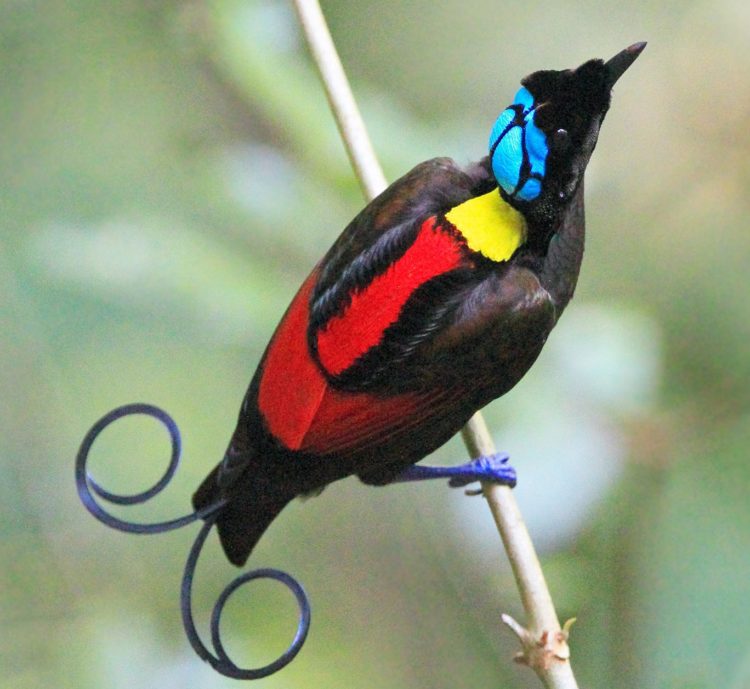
(291, 386)
(299, 407)
(348, 336)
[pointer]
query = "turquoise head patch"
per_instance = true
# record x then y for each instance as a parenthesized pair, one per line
(518, 149)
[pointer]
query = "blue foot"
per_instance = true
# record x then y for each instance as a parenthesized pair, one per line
(494, 468)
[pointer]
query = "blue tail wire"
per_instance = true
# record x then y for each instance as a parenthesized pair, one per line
(89, 489)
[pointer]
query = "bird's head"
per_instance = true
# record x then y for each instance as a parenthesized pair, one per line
(541, 144)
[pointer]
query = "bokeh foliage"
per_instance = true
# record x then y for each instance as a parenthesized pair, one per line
(170, 173)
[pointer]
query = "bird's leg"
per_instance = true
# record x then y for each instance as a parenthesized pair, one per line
(494, 468)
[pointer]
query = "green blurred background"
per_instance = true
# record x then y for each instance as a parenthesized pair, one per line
(170, 173)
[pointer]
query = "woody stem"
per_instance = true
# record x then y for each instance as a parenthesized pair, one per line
(544, 644)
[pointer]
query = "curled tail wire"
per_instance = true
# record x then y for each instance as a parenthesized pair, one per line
(233, 520)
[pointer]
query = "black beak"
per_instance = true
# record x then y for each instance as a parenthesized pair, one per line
(619, 63)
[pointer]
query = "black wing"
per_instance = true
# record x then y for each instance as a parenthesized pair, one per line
(387, 226)
(495, 333)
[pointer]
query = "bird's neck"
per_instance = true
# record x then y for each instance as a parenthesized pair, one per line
(492, 227)
(489, 225)
(562, 263)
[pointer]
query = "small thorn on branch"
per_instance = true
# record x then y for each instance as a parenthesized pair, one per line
(539, 653)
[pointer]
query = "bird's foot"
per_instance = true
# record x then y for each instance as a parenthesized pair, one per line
(493, 468)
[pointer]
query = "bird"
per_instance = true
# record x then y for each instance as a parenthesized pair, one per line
(435, 300)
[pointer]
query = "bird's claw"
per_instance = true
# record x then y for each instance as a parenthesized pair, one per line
(493, 468)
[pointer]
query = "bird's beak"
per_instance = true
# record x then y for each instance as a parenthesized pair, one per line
(619, 63)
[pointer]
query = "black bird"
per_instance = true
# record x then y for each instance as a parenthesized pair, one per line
(435, 300)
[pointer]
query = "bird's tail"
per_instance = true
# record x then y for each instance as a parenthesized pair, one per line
(254, 503)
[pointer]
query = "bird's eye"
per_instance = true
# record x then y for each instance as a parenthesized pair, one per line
(560, 141)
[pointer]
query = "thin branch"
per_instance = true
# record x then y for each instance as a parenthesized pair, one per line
(544, 642)
(339, 93)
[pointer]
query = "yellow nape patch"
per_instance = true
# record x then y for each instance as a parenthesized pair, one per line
(489, 225)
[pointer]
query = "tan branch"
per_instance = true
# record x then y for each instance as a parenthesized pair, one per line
(544, 642)
(339, 93)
